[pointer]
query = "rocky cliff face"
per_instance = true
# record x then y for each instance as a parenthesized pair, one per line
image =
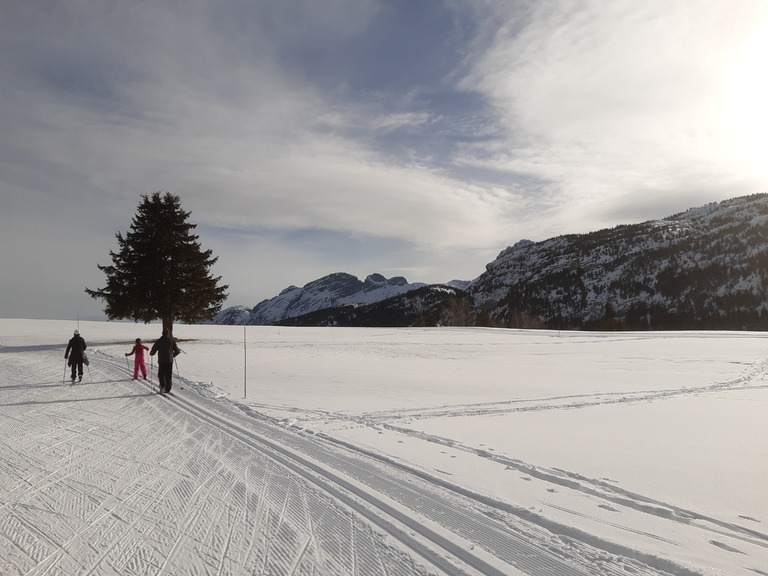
(704, 268)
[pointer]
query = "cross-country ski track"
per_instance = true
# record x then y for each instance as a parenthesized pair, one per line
(105, 476)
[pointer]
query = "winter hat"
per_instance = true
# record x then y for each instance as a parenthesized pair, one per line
(77, 332)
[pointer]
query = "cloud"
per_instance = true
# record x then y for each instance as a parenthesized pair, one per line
(361, 136)
(607, 101)
(262, 116)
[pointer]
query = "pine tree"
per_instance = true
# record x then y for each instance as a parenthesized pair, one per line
(160, 271)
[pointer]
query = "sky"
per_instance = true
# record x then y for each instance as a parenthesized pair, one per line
(414, 138)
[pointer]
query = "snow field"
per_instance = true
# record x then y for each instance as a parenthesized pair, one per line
(530, 452)
(105, 477)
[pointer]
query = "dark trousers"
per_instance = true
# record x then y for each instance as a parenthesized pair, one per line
(164, 373)
(77, 368)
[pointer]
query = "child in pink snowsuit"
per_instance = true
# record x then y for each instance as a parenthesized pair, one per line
(138, 350)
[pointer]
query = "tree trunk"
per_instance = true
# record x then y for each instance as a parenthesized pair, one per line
(168, 325)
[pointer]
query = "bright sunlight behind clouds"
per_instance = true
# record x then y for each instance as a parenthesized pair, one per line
(744, 105)
(608, 100)
(407, 138)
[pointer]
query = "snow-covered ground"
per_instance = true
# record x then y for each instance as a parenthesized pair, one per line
(385, 451)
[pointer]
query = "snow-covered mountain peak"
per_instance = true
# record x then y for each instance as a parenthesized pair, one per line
(337, 289)
(702, 268)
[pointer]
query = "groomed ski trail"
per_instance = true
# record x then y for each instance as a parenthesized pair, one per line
(103, 477)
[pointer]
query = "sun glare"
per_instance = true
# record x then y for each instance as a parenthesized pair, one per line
(745, 102)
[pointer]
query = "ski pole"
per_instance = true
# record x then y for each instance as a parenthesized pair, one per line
(64, 378)
(128, 364)
(177, 373)
(90, 378)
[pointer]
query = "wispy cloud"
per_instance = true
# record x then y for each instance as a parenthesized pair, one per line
(607, 101)
(312, 137)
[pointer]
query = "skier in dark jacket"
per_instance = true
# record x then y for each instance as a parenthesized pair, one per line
(74, 353)
(166, 350)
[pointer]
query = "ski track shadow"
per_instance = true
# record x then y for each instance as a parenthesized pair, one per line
(32, 386)
(67, 384)
(71, 400)
(56, 384)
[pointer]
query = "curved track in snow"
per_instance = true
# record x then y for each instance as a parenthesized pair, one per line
(106, 477)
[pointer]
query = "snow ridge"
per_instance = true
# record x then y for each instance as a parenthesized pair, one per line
(333, 290)
(703, 268)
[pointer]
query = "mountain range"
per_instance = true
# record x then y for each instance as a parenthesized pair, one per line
(705, 268)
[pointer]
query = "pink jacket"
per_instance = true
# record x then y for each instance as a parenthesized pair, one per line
(139, 350)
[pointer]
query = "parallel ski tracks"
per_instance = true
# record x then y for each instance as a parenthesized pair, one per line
(453, 532)
(383, 515)
(417, 518)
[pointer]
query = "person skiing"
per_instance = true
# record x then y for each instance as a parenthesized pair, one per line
(138, 364)
(74, 353)
(166, 350)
